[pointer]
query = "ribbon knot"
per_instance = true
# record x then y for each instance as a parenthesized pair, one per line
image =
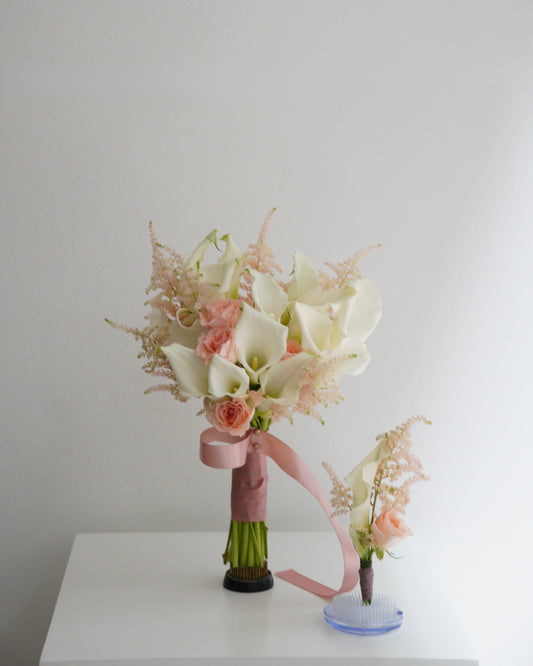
(234, 456)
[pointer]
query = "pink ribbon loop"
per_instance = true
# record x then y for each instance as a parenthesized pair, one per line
(234, 455)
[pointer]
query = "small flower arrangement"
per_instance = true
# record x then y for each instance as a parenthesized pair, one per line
(385, 475)
(255, 348)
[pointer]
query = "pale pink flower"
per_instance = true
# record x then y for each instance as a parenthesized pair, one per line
(389, 529)
(221, 314)
(216, 341)
(293, 347)
(231, 416)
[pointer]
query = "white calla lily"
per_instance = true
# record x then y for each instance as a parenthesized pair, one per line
(259, 341)
(225, 378)
(359, 315)
(158, 319)
(329, 298)
(281, 382)
(360, 480)
(198, 253)
(312, 327)
(223, 274)
(357, 358)
(184, 335)
(305, 279)
(190, 372)
(268, 296)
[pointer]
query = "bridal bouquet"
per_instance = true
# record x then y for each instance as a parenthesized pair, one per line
(385, 475)
(254, 347)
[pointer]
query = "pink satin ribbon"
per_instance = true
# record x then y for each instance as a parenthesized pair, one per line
(234, 455)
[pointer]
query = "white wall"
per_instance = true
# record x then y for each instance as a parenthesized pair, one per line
(405, 123)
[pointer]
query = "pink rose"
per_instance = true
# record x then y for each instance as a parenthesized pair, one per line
(221, 314)
(389, 529)
(216, 341)
(293, 347)
(232, 416)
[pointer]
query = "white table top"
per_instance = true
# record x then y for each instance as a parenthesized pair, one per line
(153, 599)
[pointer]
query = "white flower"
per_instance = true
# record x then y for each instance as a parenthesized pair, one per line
(360, 480)
(195, 379)
(260, 343)
(225, 273)
(326, 322)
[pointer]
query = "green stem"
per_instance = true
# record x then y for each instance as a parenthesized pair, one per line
(246, 545)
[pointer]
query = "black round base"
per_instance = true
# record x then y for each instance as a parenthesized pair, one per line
(259, 585)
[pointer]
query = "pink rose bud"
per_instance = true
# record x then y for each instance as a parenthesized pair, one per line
(232, 416)
(389, 529)
(221, 314)
(293, 347)
(216, 341)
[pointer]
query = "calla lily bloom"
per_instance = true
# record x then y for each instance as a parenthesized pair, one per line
(189, 369)
(281, 382)
(327, 322)
(194, 379)
(260, 342)
(360, 480)
(223, 274)
(225, 378)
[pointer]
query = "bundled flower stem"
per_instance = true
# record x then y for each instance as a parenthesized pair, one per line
(386, 476)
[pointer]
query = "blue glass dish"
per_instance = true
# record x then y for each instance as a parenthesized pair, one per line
(347, 613)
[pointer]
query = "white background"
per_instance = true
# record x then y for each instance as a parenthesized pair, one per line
(402, 123)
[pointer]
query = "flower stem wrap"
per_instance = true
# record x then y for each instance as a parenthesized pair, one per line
(235, 454)
(366, 581)
(249, 485)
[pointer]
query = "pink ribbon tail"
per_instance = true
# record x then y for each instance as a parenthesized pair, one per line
(234, 455)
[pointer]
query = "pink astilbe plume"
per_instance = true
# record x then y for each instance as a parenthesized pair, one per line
(319, 386)
(345, 271)
(341, 495)
(399, 469)
(176, 285)
(259, 255)
(155, 362)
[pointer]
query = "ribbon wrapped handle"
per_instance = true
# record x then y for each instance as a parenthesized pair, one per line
(234, 455)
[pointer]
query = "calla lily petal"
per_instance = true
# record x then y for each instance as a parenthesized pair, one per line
(357, 361)
(314, 328)
(220, 275)
(158, 318)
(198, 253)
(189, 369)
(358, 316)
(281, 383)
(360, 480)
(259, 341)
(185, 335)
(330, 297)
(225, 378)
(224, 273)
(232, 252)
(268, 296)
(306, 278)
